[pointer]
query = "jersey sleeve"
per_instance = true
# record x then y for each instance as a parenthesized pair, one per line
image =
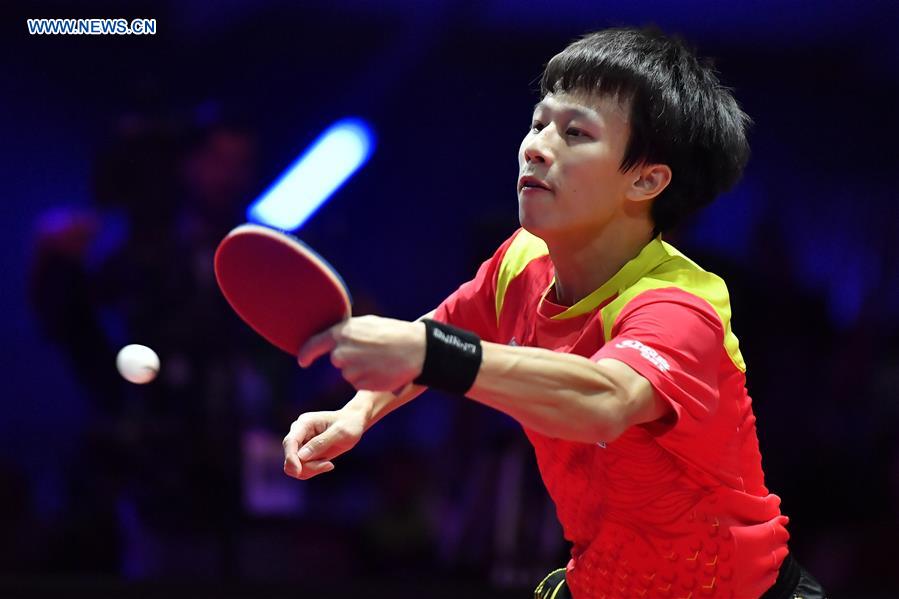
(675, 340)
(473, 305)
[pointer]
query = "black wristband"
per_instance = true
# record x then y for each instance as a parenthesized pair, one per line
(452, 358)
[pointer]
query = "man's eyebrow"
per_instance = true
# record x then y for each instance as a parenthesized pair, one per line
(571, 109)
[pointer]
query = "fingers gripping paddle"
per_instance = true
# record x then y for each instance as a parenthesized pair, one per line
(279, 286)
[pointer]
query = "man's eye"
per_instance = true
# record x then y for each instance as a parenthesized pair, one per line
(575, 132)
(536, 126)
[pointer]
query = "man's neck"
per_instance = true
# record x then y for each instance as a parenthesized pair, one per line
(583, 265)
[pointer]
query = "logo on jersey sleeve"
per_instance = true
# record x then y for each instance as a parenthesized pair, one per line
(646, 352)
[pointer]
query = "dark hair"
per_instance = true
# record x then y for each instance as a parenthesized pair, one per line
(680, 113)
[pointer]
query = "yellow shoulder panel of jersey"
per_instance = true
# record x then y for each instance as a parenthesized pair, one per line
(681, 272)
(658, 266)
(524, 248)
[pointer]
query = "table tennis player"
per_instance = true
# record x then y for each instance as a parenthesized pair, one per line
(612, 349)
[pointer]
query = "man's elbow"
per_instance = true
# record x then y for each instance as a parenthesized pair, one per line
(626, 399)
(608, 424)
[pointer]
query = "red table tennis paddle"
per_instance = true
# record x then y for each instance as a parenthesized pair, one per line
(279, 286)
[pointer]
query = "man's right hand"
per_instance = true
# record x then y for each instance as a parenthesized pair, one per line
(316, 438)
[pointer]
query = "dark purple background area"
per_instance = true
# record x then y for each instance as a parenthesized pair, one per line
(806, 242)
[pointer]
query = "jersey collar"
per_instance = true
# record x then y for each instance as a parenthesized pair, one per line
(652, 254)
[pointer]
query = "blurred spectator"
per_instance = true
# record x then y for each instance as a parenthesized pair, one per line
(161, 464)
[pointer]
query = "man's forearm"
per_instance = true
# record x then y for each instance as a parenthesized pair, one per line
(559, 395)
(374, 405)
(377, 404)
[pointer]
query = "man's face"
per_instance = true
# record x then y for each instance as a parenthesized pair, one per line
(574, 147)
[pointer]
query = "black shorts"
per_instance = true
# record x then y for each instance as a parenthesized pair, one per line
(553, 586)
(793, 582)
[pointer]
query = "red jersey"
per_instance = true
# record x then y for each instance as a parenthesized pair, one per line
(673, 508)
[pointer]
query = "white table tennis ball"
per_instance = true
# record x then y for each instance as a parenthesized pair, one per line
(137, 363)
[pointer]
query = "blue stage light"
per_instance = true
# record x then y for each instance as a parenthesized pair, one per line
(314, 177)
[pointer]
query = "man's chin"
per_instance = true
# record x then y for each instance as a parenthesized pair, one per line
(534, 228)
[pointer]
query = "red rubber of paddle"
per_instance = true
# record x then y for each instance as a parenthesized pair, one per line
(279, 286)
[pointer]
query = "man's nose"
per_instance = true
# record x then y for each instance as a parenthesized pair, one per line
(536, 149)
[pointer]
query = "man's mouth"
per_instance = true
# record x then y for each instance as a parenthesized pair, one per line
(530, 182)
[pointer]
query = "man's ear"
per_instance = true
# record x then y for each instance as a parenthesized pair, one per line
(649, 181)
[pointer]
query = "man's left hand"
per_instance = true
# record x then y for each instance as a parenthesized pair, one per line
(372, 353)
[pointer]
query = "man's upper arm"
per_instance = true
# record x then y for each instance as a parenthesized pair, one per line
(473, 305)
(673, 341)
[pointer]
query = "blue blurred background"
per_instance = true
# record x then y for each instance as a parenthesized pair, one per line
(128, 157)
